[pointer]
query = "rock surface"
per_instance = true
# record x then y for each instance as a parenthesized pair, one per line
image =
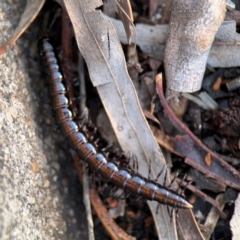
(40, 196)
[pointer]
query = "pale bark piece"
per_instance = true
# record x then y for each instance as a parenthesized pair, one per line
(99, 45)
(152, 40)
(193, 26)
(33, 203)
(235, 221)
(230, 5)
(213, 217)
(225, 51)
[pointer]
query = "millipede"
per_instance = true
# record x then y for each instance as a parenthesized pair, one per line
(88, 152)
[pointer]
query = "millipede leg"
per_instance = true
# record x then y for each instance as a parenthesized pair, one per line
(175, 176)
(160, 173)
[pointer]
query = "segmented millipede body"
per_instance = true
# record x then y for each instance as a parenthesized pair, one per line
(96, 160)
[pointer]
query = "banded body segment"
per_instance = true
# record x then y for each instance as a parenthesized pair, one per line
(109, 171)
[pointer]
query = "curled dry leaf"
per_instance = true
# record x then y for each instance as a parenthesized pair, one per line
(125, 13)
(114, 231)
(188, 228)
(99, 45)
(30, 13)
(193, 26)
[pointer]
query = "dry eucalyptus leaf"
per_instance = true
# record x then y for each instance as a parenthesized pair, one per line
(124, 9)
(125, 13)
(235, 221)
(110, 8)
(188, 227)
(30, 13)
(150, 39)
(99, 45)
(193, 26)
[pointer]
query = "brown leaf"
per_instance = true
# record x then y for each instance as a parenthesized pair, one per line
(165, 140)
